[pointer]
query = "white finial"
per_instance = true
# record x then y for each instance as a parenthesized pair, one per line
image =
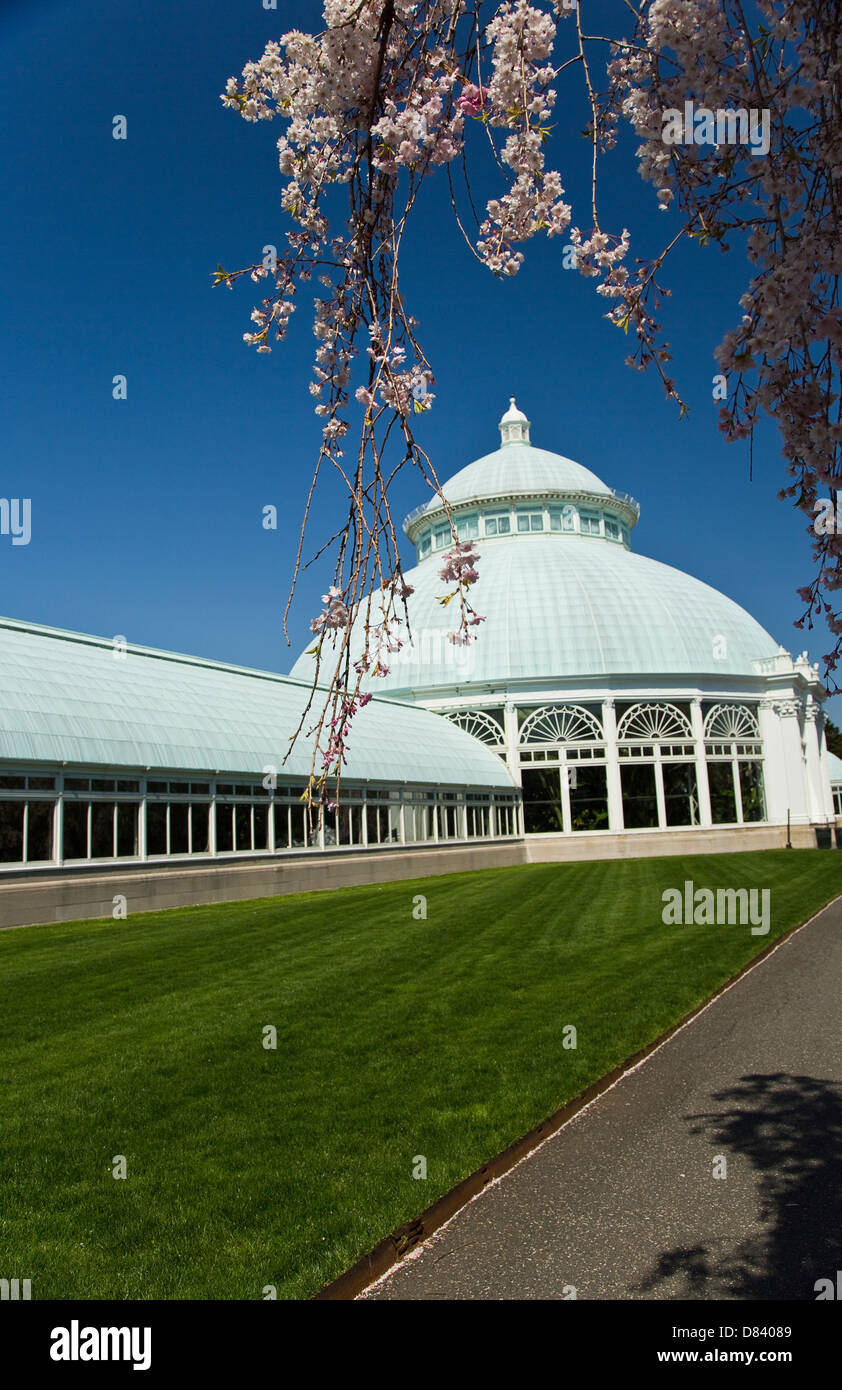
(514, 426)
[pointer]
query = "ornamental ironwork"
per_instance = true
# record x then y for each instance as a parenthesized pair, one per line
(730, 722)
(654, 721)
(561, 724)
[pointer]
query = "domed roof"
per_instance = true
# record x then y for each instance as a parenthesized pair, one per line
(563, 596)
(516, 470)
(562, 609)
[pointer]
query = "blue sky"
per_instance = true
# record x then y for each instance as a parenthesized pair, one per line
(147, 512)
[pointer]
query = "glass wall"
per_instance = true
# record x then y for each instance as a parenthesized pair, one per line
(78, 818)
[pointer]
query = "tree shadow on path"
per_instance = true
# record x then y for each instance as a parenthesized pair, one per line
(790, 1130)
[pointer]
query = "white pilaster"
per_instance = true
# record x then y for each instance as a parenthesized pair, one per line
(698, 727)
(612, 766)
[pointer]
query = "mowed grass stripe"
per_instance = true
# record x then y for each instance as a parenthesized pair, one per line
(396, 1037)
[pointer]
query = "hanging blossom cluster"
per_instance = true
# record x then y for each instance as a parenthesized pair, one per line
(459, 569)
(771, 176)
(519, 97)
(391, 92)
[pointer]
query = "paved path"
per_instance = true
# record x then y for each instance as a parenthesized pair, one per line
(622, 1202)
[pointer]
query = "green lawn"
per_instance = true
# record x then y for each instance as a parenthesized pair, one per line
(396, 1037)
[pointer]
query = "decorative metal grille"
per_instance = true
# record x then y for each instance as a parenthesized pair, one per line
(655, 721)
(561, 724)
(730, 722)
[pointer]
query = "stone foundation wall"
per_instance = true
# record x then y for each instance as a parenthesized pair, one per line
(62, 895)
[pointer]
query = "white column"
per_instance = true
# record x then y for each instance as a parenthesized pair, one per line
(818, 783)
(659, 789)
(792, 782)
(697, 724)
(512, 742)
(612, 766)
(564, 772)
(775, 777)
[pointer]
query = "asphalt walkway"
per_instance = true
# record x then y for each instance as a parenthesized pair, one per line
(623, 1203)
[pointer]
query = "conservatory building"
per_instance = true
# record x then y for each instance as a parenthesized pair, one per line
(640, 710)
(610, 706)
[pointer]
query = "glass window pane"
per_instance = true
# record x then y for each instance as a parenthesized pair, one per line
(156, 827)
(13, 784)
(640, 801)
(224, 828)
(542, 800)
(127, 841)
(75, 830)
(102, 830)
(39, 837)
(588, 798)
(681, 797)
(723, 802)
(42, 784)
(298, 831)
(200, 828)
(751, 790)
(282, 816)
(179, 813)
(261, 826)
(11, 832)
(243, 824)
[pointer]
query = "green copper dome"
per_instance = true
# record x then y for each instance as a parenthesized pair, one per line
(564, 597)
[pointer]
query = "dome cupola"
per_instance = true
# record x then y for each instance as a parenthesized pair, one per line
(514, 426)
(521, 491)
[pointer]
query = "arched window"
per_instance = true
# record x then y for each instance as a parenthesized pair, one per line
(731, 722)
(561, 724)
(654, 721)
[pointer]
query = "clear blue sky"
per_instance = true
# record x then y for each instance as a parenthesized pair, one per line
(147, 512)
